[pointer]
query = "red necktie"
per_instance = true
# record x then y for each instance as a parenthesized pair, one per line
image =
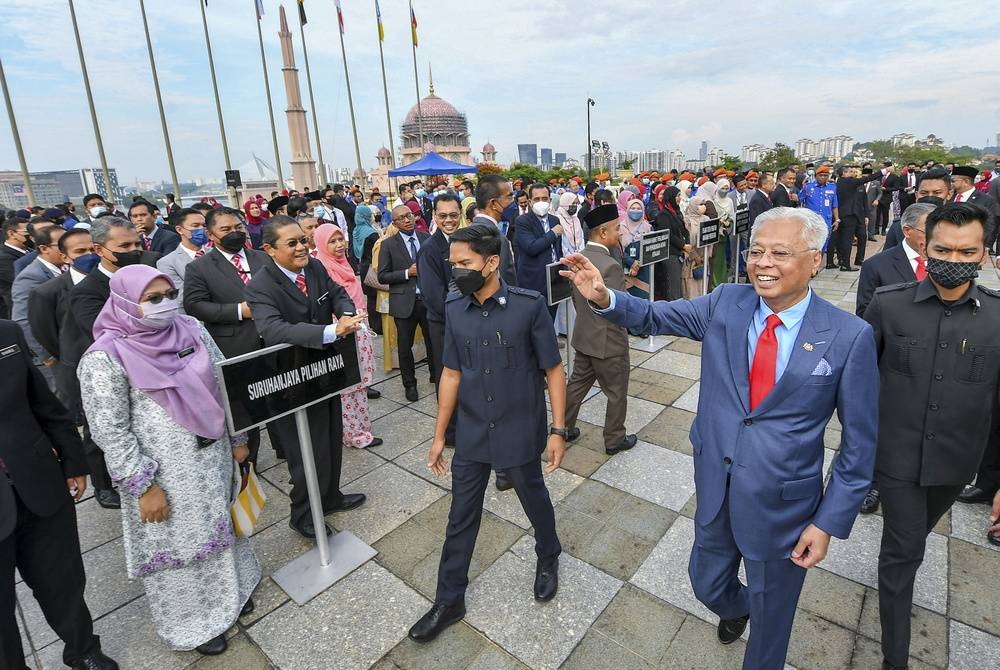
(921, 270)
(958, 198)
(199, 253)
(244, 277)
(145, 242)
(765, 358)
(300, 281)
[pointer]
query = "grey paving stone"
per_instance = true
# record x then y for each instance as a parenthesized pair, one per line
(415, 461)
(392, 388)
(640, 412)
(928, 630)
(506, 505)
(401, 431)
(96, 525)
(454, 648)
(637, 357)
(675, 363)
(671, 429)
(685, 346)
(596, 499)
(350, 625)
(868, 656)
(275, 509)
(658, 387)
(493, 658)
(542, 635)
(857, 558)
(970, 523)
(274, 546)
(817, 644)
(696, 647)
(832, 597)
(402, 549)
(640, 622)
(665, 572)
(973, 649)
(357, 463)
(659, 475)
(644, 345)
(689, 400)
(598, 651)
(583, 461)
(643, 519)
(383, 406)
(241, 655)
(394, 495)
(277, 475)
(975, 572)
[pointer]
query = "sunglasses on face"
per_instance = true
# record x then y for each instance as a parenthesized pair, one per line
(157, 298)
(291, 244)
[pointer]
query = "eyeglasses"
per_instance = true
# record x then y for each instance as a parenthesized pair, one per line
(448, 217)
(402, 217)
(779, 257)
(291, 244)
(157, 298)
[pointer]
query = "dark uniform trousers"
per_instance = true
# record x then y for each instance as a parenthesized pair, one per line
(435, 334)
(612, 374)
(468, 486)
(846, 232)
(70, 385)
(406, 330)
(988, 477)
(325, 428)
(909, 511)
(46, 551)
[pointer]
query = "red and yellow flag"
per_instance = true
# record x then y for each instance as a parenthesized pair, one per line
(413, 24)
(378, 19)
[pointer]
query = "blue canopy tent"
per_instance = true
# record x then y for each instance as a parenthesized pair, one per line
(432, 164)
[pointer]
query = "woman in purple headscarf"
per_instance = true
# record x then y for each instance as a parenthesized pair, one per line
(154, 408)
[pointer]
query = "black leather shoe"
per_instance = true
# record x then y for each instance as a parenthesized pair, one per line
(831, 266)
(435, 621)
(376, 442)
(248, 607)
(731, 629)
(848, 268)
(870, 504)
(411, 394)
(572, 434)
(504, 482)
(347, 502)
(307, 530)
(213, 647)
(886, 665)
(373, 394)
(108, 498)
(872, 238)
(973, 494)
(546, 578)
(95, 661)
(627, 443)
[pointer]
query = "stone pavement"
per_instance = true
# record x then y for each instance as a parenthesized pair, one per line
(624, 600)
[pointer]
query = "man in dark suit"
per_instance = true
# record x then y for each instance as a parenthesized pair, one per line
(294, 301)
(891, 184)
(215, 294)
(784, 194)
(511, 212)
(40, 460)
(151, 237)
(17, 243)
(851, 208)
(601, 346)
(397, 267)
(47, 265)
(963, 186)
(493, 195)
(760, 200)
(873, 190)
(539, 241)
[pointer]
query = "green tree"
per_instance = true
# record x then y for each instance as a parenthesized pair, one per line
(780, 156)
(734, 163)
(528, 174)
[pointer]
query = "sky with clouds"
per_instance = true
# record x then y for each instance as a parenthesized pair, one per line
(664, 75)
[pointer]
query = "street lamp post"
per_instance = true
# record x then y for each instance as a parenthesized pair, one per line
(590, 103)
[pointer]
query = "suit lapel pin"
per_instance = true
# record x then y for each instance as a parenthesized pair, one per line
(808, 346)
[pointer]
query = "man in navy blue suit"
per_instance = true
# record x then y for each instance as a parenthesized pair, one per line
(539, 241)
(777, 361)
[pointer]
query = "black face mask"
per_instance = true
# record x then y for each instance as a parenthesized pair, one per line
(126, 258)
(28, 242)
(468, 281)
(331, 200)
(234, 241)
(951, 274)
(571, 209)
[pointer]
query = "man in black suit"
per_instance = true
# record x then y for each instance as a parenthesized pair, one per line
(873, 190)
(891, 184)
(851, 207)
(539, 241)
(962, 185)
(397, 267)
(784, 194)
(215, 294)
(42, 471)
(151, 237)
(933, 187)
(760, 201)
(294, 301)
(493, 195)
(17, 243)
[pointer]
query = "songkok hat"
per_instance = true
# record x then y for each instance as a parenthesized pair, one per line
(277, 203)
(964, 171)
(598, 216)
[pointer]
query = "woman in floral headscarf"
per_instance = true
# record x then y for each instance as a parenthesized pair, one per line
(695, 213)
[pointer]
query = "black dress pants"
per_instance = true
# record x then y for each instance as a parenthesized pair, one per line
(988, 477)
(845, 236)
(861, 237)
(909, 511)
(406, 330)
(327, 434)
(46, 551)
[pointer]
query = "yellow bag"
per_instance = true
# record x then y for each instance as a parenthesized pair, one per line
(248, 500)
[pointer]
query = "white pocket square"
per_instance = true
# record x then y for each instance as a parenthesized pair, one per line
(823, 368)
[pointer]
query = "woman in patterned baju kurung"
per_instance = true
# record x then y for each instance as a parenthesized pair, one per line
(331, 251)
(154, 408)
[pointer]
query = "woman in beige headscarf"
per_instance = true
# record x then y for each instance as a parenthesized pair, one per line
(694, 264)
(382, 305)
(726, 210)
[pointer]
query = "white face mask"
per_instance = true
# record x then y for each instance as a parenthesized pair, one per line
(160, 315)
(541, 208)
(97, 211)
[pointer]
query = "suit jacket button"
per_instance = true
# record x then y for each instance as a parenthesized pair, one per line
(929, 436)
(747, 422)
(727, 460)
(489, 398)
(487, 371)
(492, 425)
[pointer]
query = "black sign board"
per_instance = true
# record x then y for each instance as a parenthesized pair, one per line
(742, 219)
(273, 382)
(708, 233)
(654, 246)
(557, 287)
(233, 178)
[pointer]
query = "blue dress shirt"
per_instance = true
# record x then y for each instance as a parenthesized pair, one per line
(791, 322)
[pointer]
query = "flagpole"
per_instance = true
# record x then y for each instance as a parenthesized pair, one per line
(159, 100)
(350, 98)
(416, 82)
(312, 103)
(17, 139)
(385, 85)
(267, 91)
(93, 111)
(218, 103)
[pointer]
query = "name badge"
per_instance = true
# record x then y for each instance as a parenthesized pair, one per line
(7, 352)
(185, 352)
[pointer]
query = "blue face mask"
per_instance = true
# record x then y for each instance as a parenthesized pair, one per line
(159, 221)
(86, 262)
(199, 237)
(634, 215)
(420, 192)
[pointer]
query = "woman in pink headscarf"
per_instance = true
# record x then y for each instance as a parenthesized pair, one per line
(331, 251)
(623, 200)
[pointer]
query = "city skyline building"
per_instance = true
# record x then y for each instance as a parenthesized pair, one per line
(527, 154)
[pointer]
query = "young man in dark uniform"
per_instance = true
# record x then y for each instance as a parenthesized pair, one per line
(940, 370)
(499, 345)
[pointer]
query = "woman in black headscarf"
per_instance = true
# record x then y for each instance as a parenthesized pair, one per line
(667, 284)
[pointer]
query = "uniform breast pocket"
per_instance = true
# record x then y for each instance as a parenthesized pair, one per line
(469, 357)
(904, 354)
(977, 365)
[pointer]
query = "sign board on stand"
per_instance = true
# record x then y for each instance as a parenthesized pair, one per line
(742, 225)
(708, 235)
(559, 289)
(654, 246)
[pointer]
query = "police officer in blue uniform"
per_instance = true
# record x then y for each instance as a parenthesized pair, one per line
(499, 348)
(821, 197)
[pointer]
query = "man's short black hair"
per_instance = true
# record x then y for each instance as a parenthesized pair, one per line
(202, 207)
(537, 185)
(590, 187)
(521, 193)
(92, 196)
(448, 196)
(182, 214)
(785, 170)
(70, 234)
(272, 229)
(482, 239)
(604, 196)
(470, 187)
(141, 203)
(934, 173)
(214, 214)
(957, 214)
(488, 189)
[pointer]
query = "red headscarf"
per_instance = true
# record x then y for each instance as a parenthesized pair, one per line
(253, 220)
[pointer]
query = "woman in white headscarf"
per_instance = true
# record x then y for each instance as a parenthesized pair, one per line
(573, 240)
(694, 263)
(684, 186)
(726, 210)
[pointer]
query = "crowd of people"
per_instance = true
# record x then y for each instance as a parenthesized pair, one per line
(121, 315)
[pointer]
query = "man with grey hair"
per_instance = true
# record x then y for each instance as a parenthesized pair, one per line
(777, 361)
